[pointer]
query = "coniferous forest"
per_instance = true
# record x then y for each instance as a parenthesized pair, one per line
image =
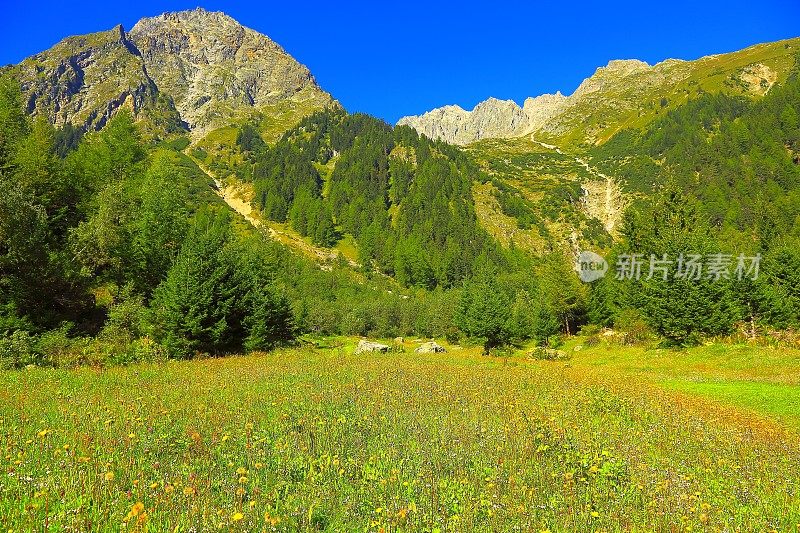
(115, 247)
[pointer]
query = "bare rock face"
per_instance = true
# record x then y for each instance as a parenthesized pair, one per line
(204, 68)
(490, 119)
(213, 66)
(84, 80)
(613, 94)
(541, 109)
(551, 113)
(610, 86)
(616, 70)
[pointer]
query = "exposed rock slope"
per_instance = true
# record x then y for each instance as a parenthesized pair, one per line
(490, 119)
(214, 67)
(204, 68)
(84, 79)
(622, 94)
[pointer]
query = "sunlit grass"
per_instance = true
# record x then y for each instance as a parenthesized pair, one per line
(321, 439)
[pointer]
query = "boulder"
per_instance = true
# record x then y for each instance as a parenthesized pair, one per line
(365, 346)
(430, 347)
(548, 354)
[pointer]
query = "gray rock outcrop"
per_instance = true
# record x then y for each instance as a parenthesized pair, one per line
(430, 347)
(365, 346)
(491, 119)
(212, 66)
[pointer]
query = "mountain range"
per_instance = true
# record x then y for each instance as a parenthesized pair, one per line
(202, 75)
(623, 94)
(192, 70)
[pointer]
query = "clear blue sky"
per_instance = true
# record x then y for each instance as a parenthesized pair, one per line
(396, 58)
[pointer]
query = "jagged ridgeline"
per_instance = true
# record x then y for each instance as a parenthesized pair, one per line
(405, 199)
(620, 95)
(191, 71)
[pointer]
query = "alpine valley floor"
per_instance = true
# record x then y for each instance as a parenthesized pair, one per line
(613, 439)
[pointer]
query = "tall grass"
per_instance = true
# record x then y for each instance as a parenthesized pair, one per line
(323, 440)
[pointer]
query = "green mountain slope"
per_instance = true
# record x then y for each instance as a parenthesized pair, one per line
(403, 200)
(553, 178)
(630, 94)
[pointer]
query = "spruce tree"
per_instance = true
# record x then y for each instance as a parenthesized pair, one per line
(680, 308)
(195, 306)
(484, 312)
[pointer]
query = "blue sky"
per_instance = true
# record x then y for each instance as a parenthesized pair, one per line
(396, 58)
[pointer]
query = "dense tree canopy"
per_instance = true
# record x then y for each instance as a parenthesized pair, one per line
(405, 199)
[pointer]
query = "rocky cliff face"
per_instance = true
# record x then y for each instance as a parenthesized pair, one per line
(542, 109)
(213, 66)
(203, 66)
(84, 79)
(490, 119)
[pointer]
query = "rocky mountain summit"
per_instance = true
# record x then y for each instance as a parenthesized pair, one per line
(624, 93)
(192, 69)
(213, 66)
(491, 119)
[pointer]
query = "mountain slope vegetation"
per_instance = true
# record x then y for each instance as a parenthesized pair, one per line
(406, 200)
(114, 241)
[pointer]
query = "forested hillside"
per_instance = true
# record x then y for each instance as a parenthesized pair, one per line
(405, 199)
(114, 246)
(738, 157)
(727, 172)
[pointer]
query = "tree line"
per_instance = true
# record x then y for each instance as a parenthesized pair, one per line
(115, 248)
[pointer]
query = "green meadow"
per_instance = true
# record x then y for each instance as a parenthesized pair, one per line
(614, 438)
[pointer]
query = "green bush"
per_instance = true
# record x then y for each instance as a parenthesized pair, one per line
(633, 327)
(64, 352)
(18, 350)
(137, 351)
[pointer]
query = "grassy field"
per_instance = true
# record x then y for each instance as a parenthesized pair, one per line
(614, 439)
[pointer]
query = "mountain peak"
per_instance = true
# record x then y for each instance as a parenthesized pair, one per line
(213, 66)
(197, 15)
(627, 65)
(211, 69)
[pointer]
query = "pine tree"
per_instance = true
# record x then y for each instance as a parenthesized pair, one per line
(219, 296)
(13, 123)
(195, 306)
(484, 312)
(679, 308)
